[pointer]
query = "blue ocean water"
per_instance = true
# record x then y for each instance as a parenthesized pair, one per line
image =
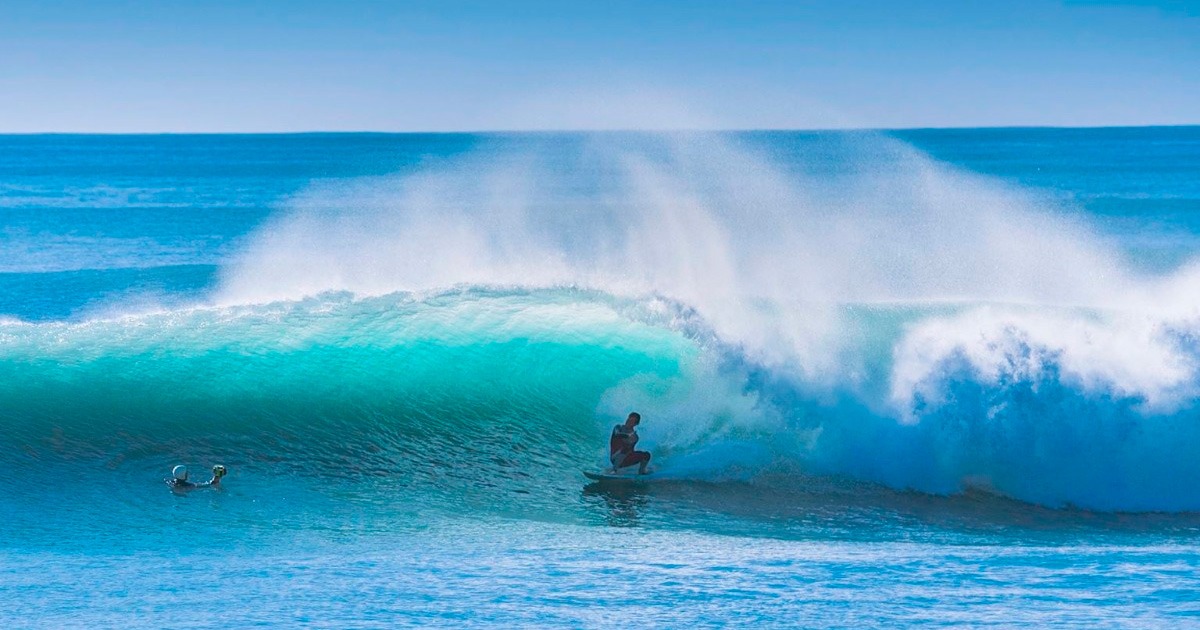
(904, 379)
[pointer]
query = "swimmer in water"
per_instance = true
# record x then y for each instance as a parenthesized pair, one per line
(179, 478)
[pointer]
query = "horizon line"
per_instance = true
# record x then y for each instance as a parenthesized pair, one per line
(584, 130)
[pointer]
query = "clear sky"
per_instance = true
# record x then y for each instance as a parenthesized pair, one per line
(415, 65)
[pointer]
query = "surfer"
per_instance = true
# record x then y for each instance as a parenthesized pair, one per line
(179, 478)
(620, 445)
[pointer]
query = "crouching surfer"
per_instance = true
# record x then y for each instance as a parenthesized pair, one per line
(179, 478)
(620, 446)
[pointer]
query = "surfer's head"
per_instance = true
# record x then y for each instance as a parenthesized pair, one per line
(219, 471)
(179, 472)
(633, 419)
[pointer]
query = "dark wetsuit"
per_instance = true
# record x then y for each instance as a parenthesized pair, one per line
(620, 448)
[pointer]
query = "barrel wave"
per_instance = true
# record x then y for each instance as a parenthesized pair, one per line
(470, 330)
(438, 392)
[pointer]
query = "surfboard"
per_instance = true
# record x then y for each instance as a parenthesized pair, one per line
(626, 477)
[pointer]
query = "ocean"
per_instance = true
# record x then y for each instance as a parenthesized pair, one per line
(901, 379)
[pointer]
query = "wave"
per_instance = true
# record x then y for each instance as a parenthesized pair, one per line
(511, 384)
(864, 313)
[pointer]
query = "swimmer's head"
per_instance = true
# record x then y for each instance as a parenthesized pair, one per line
(179, 472)
(219, 471)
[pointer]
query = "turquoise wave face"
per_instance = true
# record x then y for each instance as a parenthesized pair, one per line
(444, 399)
(346, 386)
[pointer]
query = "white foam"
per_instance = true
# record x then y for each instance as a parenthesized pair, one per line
(1123, 354)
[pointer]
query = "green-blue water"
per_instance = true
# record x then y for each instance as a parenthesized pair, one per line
(913, 379)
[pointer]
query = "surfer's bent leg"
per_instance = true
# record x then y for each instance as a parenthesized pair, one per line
(637, 457)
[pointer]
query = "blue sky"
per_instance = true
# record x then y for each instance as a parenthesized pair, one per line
(297, 65)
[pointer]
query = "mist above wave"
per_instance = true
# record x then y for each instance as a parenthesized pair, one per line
(1053, 359)
(760, 240)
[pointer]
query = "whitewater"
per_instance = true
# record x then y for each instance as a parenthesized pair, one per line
(890, 379)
